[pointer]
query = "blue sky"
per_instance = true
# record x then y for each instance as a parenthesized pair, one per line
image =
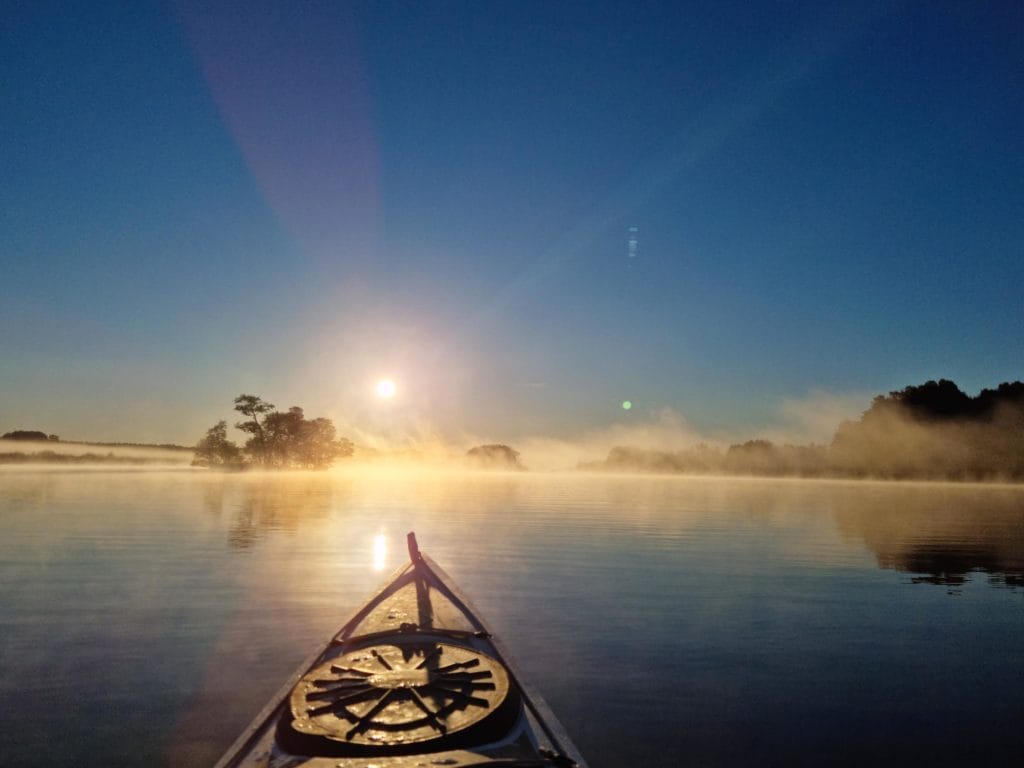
(296, 201)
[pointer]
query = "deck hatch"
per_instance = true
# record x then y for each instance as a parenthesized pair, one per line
(392, 694)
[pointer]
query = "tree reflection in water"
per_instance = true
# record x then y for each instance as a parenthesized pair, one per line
(940, 534)
(262, 503)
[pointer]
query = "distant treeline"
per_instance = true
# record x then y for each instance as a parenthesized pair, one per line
(33, 435)
(278, 440)
(930, 431)
(37, 436)
(160, 446)
(53, 457)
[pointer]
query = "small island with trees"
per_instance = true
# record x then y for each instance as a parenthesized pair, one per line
(494, 456)
(278, 440)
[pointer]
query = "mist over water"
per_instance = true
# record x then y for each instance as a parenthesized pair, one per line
(147, 616)
(930, 431)
(33, 451)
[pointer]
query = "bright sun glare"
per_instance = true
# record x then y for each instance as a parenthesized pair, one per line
(380, 551)
(386, 389)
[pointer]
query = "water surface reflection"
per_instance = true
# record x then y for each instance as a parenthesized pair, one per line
(940, 534)
(666, 620)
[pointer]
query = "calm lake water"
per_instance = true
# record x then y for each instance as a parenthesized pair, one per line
(146, 616)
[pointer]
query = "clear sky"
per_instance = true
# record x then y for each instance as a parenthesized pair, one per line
(297, 199)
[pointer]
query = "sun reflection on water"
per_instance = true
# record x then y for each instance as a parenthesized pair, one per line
(380, 552)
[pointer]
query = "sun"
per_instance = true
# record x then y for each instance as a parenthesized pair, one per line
(385, 389)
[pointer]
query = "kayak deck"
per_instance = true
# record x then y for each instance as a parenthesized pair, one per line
(414, 678)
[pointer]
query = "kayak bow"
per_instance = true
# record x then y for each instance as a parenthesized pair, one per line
(413, 679)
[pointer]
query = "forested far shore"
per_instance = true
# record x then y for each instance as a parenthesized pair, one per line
(36, 436)
(53, 457)
(933, 431)
(36, 447)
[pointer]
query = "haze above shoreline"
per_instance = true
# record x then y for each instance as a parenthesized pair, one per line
(930, 431)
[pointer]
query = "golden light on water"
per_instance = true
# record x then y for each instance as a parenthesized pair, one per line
(380, 552)
(386, 389)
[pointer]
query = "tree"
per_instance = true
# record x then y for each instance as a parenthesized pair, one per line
(215, 450)
(25, 434)
(933, 400)
(494, 456)
(254, 407)
(281, 434)
(318, 445)
(278, 439)
(293, 440)
(759, 457)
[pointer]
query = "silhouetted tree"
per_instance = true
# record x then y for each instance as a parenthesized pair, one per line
(215, 450)
(293, 440)
(281, 434)
(318, 446)
(25, 434)
(254, 407)
(1007, 397)
(933, 400)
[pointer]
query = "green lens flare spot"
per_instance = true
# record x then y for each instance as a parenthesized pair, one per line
(626, 405)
